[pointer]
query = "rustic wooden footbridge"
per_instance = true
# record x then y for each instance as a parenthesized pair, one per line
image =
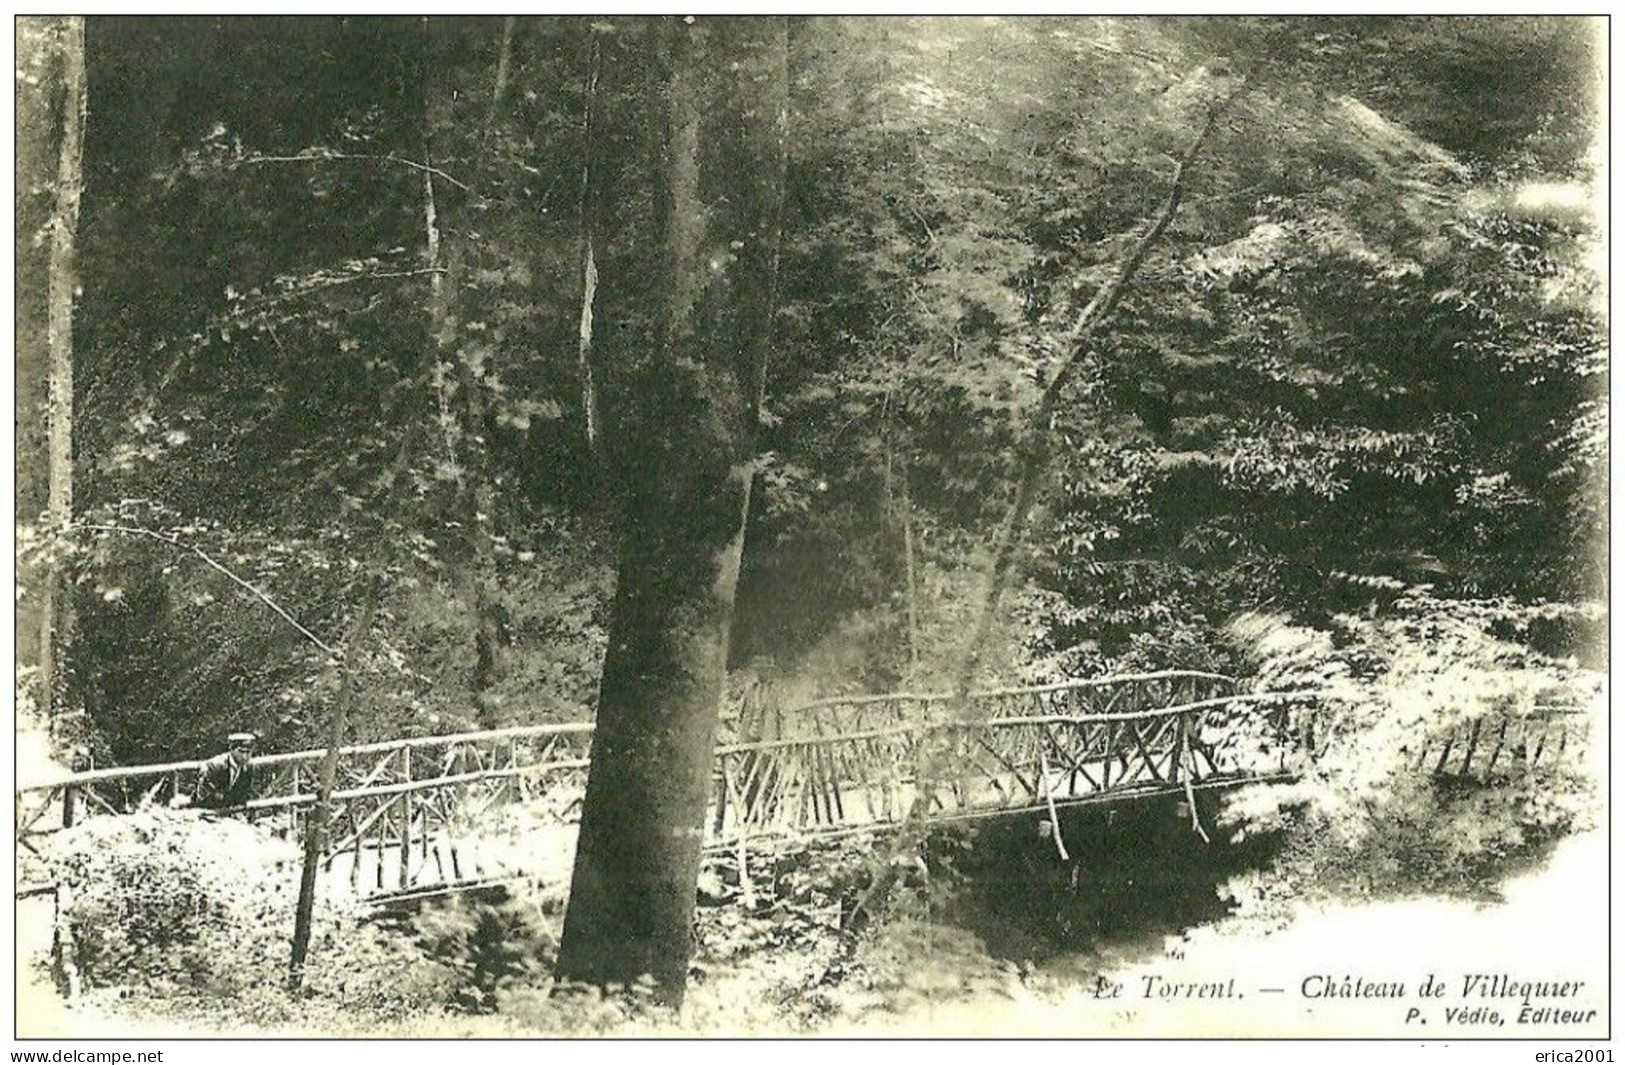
(439, 813)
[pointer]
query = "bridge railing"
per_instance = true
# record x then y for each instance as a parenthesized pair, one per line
(411, 798)
(1505, 745)
(400, 807)
(1122, 693)
(1008, 760)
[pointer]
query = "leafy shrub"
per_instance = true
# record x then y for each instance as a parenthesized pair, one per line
(174, 903)
(1363, 817)
(152, 894)
(493, 946)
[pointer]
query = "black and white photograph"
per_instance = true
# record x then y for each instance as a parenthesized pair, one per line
(761, 525)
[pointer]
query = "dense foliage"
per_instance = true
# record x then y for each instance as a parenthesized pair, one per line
(178, 905)
(1347, 428)
(1359, 351)
(181, 920)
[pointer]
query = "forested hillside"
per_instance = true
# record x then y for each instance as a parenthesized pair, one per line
(394, 341)
(1366, 354)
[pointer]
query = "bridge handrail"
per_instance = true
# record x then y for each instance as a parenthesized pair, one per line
(416, 742)
(1035, 719)
(1320, 695)
(426, 783)
(277, 802)
(1033, 689)
(1148, 715)
(96, 776)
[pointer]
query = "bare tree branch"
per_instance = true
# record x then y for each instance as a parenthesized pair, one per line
(276, 299)
(352, 279)
(256, 160)
(216, 564)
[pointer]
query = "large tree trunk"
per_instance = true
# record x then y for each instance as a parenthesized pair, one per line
(686, 459)
(56, 606)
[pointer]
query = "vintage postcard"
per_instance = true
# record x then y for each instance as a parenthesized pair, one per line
(672, 525)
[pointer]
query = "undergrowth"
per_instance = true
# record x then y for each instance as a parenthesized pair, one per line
(1363, 820)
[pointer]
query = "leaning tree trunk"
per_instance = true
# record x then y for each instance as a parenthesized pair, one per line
(686, 460)
(56, 608)
(1034, 456)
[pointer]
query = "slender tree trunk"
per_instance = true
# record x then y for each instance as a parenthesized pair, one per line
(38, 141)
(589, 262)
(688, 462)
(906, 504)
(482, 494)
(499, 87)
(900, 518)
(326, 776)
(440, 347)
(434, 116)
(460, 422)
(396, 482)
(1035, 446)
(589, 390)
(464, 422)
(56, 614)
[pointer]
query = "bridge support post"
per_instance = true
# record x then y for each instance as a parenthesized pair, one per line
(1181, 747)
(404, 878)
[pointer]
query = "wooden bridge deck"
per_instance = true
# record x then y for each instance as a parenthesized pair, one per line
(426, 814)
